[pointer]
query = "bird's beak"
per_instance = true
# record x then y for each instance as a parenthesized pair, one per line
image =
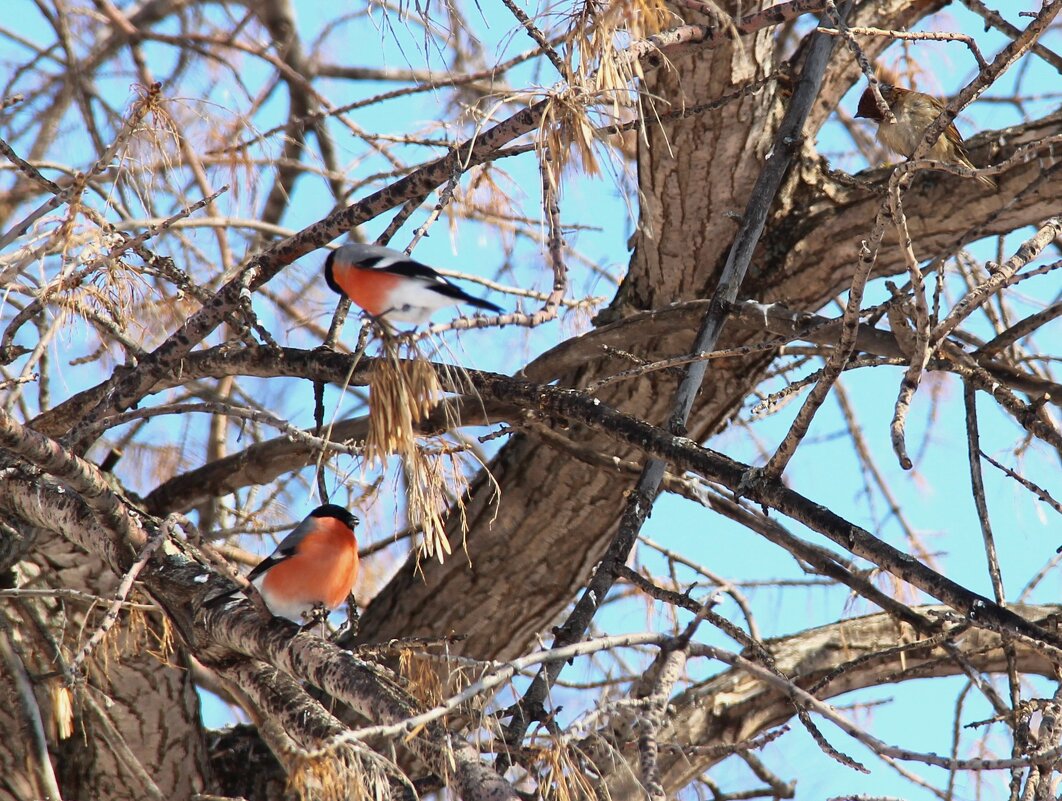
(867, 108)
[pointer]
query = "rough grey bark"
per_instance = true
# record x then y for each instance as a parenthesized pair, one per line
(806, 258)
(556, 513)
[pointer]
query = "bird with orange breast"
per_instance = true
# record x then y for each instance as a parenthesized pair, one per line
(391, 286)
(312, 569)
(914, 112)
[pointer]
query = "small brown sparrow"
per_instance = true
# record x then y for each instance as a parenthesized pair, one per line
(914, 113)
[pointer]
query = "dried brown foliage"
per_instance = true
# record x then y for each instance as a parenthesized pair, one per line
(165, 398)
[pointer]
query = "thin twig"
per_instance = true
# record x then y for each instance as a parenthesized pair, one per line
(837, 361)
(539, 37)
(16, 671)
(999, 275)
(935, 36)
(994, 19)
(1037, 490)
(919, 354)
(124, 587)
(640, 501)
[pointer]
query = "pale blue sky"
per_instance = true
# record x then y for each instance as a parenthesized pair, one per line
(934, 497)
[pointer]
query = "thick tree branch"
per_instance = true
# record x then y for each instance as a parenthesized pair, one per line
(829, 661)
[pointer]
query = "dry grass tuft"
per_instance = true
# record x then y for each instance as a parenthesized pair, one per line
(148, 149)
(164, 646)
(602, 77)
(96, 284)
(563, 775)
(62, 710)
(347, 773)
(567, 130)
(427, 501)
(422, 678)
(402, 392)
(437, 483)
(134, 634)
(599, 32)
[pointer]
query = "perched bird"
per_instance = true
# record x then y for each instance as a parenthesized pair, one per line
(313, 568)
(390, 285)
(914, 112)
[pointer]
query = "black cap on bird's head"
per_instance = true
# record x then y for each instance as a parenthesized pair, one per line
(330, 276)
(868, 107)
(338, 512)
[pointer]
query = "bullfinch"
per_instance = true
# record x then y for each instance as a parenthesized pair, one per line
(314, 567)
(914, 112)
(391, 286)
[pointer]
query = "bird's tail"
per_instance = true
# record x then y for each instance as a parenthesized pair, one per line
(985, 180)
(453, 291)
(483, 304)
(223, 597)
(988, 181)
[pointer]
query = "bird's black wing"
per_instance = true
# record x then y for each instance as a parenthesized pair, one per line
(286, 548)
(267, 563)
(408, 268)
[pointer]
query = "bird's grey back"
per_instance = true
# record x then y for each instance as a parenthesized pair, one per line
(357, 252)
